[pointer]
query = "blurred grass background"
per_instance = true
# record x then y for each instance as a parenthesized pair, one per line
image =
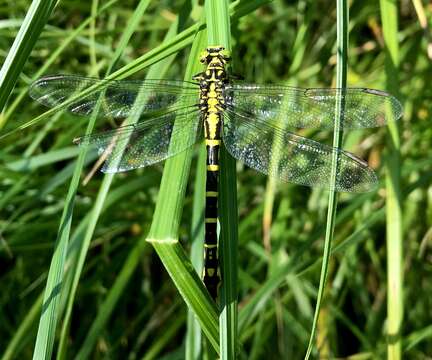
(124, 286)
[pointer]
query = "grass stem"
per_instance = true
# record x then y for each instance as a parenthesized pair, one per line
(341, 82)
(394, 236)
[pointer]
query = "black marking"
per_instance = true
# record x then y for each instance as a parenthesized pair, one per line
(212, 181)
(211, 207)
(213, 155)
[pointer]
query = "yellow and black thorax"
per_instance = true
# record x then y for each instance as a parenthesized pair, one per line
(212, 82)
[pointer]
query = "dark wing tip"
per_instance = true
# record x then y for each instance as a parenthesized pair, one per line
(395, 105)
(368, 181)
(376, 92)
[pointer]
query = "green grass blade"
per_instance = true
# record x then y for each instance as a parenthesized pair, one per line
(32, 26)
(164, 229)
(341, 82)
(193, 335)
(113, 296)
(229, 254)
(37, 161)
(219, 33)
(50, 307)
(394, 238)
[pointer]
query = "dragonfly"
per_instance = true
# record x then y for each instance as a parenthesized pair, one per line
(254, 122)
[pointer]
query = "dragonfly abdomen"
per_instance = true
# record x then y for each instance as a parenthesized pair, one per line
(211, 276)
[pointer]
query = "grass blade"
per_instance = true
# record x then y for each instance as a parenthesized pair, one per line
(341, 82)
(219, 33)
(193, 335)
(32, 26)
(164, 229)
(395, 304)
(50, 307)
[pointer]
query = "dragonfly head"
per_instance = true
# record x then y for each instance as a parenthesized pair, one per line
(216, 56)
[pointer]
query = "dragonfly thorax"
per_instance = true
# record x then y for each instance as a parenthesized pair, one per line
(212, 82)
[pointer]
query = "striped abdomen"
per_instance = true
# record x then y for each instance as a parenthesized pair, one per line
(211, 275)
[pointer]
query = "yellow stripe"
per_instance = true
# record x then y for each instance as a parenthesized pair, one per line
(211, 193)
(212, 142)
(212, 167)
(210, 246)
(211, 220)
(211, 271)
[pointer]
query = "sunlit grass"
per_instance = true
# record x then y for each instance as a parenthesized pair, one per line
(119, 300)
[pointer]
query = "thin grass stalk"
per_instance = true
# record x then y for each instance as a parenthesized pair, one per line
(92, 33)
(50, 308)
(32, 26)
(165, 338)
(219, 33)
(55, 283)
(341, 82)
(106, 308)
(298, 52)
(394, 236)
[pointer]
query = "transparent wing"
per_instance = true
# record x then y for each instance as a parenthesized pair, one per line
(272, 150)
(120, 97)
(148, 142)
(314, 108)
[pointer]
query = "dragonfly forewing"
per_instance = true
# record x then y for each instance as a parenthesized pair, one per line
(118, 99)
(291, 107)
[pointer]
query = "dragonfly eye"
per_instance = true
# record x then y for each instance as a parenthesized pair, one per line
(204, 57)
(225, 55)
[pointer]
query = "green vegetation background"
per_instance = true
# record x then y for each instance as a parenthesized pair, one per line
(283, 42)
